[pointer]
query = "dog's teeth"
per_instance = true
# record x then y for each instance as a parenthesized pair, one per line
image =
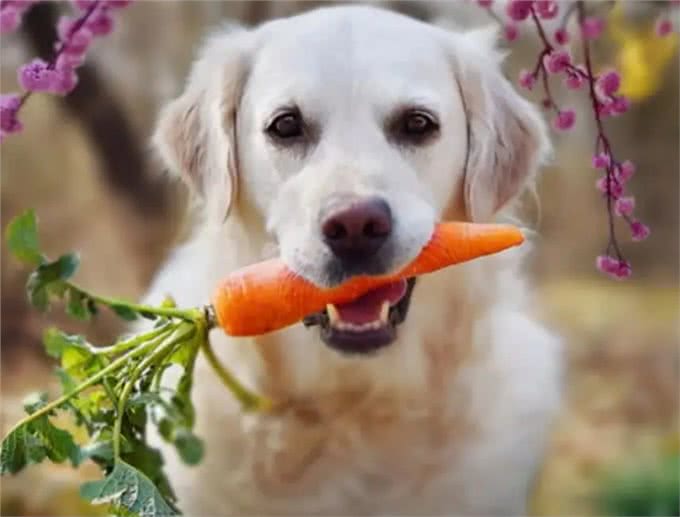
(333, 314)
(384, 312)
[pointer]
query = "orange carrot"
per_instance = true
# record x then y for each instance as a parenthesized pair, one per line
(268, 296)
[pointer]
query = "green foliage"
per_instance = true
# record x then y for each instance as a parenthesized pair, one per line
(642, 489)
(115, 392)
(128, 491)
(112, 392)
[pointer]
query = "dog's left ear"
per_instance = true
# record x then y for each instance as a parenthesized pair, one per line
(507, 137)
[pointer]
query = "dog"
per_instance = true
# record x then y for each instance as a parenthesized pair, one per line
(336, 139)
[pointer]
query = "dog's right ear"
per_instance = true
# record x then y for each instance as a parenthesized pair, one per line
(195, 133)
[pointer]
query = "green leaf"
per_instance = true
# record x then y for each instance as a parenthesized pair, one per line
(128, 489)
(13, 452)
(189, 446)
(78, 306)
(48, 279)
(76, 355)
(57, 443)
(21, 236)
(123, 311)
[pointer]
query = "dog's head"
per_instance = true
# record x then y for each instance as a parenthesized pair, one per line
(349, 132)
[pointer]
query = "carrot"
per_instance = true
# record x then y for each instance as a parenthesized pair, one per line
(268, 296)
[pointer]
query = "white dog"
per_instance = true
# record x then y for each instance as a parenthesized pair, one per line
(336, 139)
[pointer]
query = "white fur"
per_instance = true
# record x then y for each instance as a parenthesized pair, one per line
(452, 417)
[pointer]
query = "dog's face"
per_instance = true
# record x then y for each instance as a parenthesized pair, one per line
(350, 132)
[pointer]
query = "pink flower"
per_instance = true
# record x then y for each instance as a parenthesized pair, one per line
(9, 108)
(625, 171)
(573, 81)
(565, 119)
(592, 27)
(75, 43)
(608, 83)
(613, 267)
(624, 206)
(64, 82)
(610, 188)
(100, 23)
(619, 105)
(118, 4)
(663, 27)
(546, 9)
(601, 160)
(84, 5)
(36, 76)
(69, 61)
(518, 10)
(485, 3)
(561, 36)
(557, 61)
(10, 18)
(639, 231)
(511, 32)
(527, 79)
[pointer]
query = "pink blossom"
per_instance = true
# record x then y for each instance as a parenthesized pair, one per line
(518, 10)
(592, 27)
(84, 5)
(611, 187)
(9, 108)
(557, 61)
(527, 79)
(565, 119)
(625, 171)
(663, 27)
(100, 23)
(11, 13)
(118, 4)
(619, 105)
(613, 267)
(10, 18)
(562, 36)
(75, 43)
(608, 83)
(511, 32)
(485, 3)
(573, 81)
(607, 108)
(546, 9)
(69, 61)
(35, 76)
(64, 82)
(639, 231)
(601, 160)
(624, 206)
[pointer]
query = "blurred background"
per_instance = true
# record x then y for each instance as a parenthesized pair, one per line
(83, 163)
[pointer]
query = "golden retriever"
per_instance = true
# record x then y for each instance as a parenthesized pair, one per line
(336, 139)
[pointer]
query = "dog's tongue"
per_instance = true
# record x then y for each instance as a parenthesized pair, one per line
(367, 308)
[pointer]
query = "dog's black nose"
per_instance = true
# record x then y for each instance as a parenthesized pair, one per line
(356, 228)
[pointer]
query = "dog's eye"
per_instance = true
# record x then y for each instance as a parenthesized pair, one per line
(418, 124)
(414, 127)
(286, 126)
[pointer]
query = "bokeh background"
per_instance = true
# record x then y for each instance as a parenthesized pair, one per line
(84, 164)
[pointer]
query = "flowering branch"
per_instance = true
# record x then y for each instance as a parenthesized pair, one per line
(58, 75)
(602, 91)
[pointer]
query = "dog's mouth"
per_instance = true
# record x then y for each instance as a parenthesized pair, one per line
(367, 323)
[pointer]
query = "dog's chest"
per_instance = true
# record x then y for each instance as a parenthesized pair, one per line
(374, 454)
